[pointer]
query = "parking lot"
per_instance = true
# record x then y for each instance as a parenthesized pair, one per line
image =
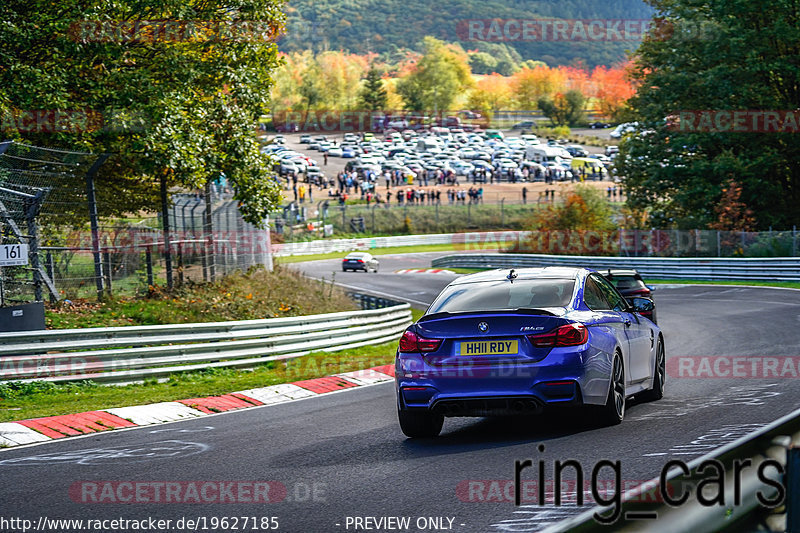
(453, 157)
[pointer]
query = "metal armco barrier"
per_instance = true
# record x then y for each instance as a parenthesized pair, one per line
(134, 353)
(767, 269)
(767, 446)
(367, 301)
(487, 240)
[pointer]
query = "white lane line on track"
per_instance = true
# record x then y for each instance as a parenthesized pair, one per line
(205, 417)
(377, 293)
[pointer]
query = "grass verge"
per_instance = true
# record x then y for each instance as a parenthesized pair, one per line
(374, 251)
(19, 401)
(744, 283)
(241, 296)
(788, 284)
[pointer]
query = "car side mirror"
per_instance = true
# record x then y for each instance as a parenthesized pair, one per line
(643, 305)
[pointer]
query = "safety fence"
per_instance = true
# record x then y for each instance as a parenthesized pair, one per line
(53, 207)
(630, 243)
(135, 353)
(767, 269)
(292, 223)
(751, 484)
(489, 240)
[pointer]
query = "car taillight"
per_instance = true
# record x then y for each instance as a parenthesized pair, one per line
(640, 292)
(411, 342)
(566, 335)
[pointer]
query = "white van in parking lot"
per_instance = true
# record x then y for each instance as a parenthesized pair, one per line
(546, 154)
(429, 144)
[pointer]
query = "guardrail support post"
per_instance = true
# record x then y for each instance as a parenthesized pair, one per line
(148, 261)
(166, 230)
(51, 273)
(91, 201)
(793, 489)
(107, 268)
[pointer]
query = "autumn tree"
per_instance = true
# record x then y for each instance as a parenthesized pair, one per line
(584, 208)
(732, 213)
(564, 109)
(440, 76)
(529, 85)
(490, 94)
(612, 88)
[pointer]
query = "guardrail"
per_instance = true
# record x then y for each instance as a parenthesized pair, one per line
(485, 239)
(766, 269)
(752, 465)
(134, 353)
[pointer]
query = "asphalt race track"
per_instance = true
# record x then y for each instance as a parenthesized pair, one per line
(342, 458)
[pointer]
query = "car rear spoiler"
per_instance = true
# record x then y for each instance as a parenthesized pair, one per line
(521, 310)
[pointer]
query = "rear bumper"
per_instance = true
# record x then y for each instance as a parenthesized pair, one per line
(565, 377)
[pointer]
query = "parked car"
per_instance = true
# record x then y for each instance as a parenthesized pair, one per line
(576, 151)
(622, 129)
(521, 341)
(305, 138)
(599, 125)
(631, 285)
(524, 125)
(359, 261)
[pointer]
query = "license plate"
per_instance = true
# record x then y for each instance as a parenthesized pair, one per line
(498, 347)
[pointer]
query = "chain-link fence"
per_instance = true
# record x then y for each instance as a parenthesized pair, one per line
(48, 202)
(40, 189)
(661, 243)
(298, 222)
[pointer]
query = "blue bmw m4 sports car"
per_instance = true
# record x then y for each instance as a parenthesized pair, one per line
(518, 341)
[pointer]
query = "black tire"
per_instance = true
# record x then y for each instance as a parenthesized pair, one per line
(613, 411)
(659, 376)
(420, 424)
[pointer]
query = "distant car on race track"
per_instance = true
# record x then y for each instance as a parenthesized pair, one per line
(514, 342)
(359, 261)
(630, 284)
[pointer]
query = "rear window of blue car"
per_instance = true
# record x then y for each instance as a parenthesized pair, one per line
(501, 294)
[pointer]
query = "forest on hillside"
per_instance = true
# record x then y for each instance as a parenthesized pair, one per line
(390, 26)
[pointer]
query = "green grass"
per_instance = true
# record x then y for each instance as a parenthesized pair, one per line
(242, 296)
(19, 401)
(373, 251)
(789, 284)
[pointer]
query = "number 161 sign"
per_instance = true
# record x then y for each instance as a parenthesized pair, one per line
(13, 254)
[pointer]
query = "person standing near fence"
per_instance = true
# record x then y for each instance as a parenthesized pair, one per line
(524, 195)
